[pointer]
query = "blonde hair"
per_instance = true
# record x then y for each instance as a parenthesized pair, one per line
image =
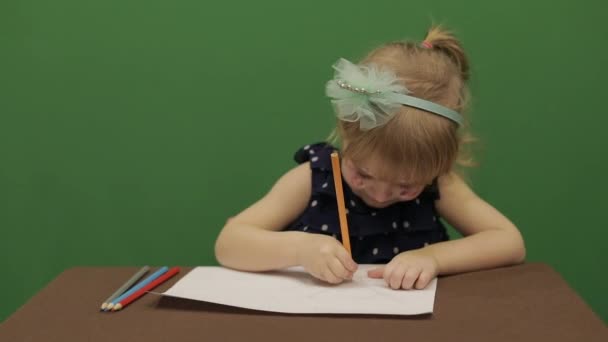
(417, 145)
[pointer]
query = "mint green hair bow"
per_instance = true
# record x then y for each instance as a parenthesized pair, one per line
(371, 95)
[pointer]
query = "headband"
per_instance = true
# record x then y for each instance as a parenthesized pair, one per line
(371, 95)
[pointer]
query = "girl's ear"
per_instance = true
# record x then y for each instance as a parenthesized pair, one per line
(350, 174)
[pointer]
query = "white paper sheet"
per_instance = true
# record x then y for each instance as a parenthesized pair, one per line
(294, 291)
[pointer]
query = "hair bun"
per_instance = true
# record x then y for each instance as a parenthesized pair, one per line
(439, 39)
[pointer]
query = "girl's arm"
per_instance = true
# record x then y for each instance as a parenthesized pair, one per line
(491, 240)
(250, 241)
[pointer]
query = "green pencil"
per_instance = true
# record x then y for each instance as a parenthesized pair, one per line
(125, 287)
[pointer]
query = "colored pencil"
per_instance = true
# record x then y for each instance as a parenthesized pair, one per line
(134, 278)
(136, 288)
(173, 271)
(335, 165)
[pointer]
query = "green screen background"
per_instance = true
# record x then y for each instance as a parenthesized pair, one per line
(130, 130)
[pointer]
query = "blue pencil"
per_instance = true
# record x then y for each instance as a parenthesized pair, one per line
(135, 288)
(125, 286)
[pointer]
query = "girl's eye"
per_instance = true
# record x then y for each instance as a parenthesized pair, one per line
(363, 175)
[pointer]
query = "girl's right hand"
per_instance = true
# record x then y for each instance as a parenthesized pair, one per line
(325, 258)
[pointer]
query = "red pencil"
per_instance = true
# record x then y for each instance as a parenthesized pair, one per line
(170, 273)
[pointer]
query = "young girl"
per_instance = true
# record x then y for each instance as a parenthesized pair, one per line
(399, 123)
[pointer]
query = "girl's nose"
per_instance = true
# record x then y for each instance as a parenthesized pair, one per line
(381, 194)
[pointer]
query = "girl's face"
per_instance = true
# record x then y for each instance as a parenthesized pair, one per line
(376, 192)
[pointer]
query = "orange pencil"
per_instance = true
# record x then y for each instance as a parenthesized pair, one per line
(335, 165)
(170, 273)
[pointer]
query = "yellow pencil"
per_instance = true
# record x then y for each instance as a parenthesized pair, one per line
(335, 165)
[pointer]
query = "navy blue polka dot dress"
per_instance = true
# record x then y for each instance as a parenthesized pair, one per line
(376, 235)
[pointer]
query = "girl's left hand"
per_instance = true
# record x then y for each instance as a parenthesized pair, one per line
(408, 270)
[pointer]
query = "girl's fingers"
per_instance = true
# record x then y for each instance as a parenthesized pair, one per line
(346, 260)
(395, 279)
(336, 267)
(376, 273)
(424, 279)
(388, 271)
(410, 278)
(330, 277)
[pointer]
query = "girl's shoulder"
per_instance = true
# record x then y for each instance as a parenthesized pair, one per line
(318, 154)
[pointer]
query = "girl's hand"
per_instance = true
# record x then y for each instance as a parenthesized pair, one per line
(325, 258)
(408, 270)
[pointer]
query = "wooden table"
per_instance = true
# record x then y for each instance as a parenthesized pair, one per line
(529, 302)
